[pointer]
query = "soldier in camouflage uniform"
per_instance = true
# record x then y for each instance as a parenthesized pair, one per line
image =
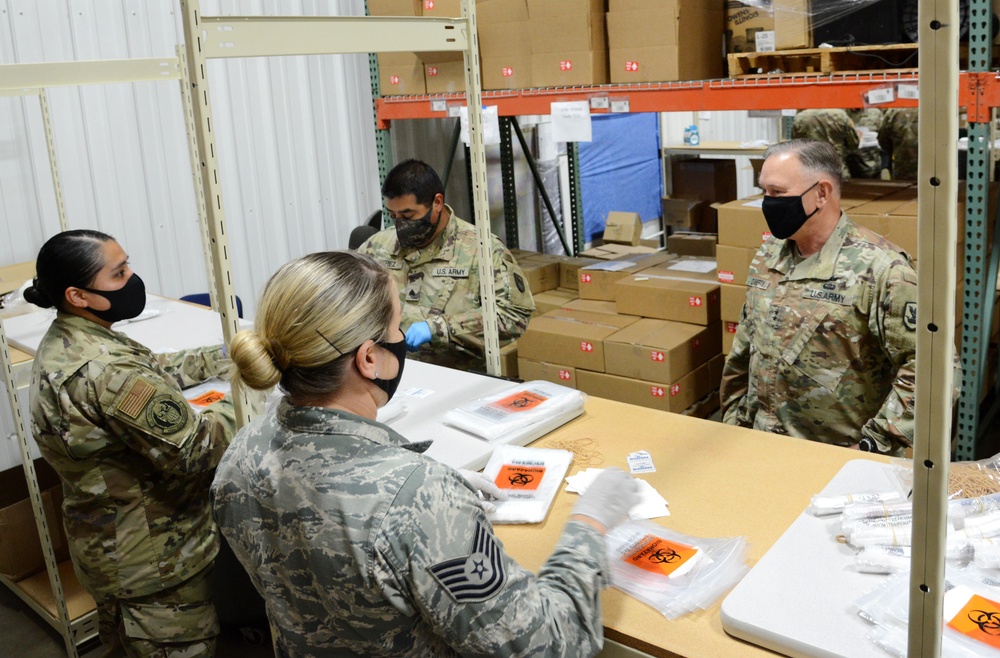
(831, 126)
(866, 160)
(135, 460)
(826, 347)
(435, 263)
(898, 137)
(359, 544)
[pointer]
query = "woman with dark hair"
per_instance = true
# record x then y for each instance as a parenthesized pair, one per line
(360, 545)
(135, 460)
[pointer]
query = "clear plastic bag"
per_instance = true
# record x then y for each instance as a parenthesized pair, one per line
(516, 408)
(530, 477)
(674, 573)
(965, 479)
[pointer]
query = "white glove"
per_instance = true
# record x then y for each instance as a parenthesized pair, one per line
(487, 489)
(609, 498)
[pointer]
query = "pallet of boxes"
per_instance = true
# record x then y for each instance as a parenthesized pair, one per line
(645, 330)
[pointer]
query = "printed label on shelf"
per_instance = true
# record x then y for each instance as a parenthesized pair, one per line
(439, 105)
(599, 102)
(881, 95)
(909, 92)
(620, 106)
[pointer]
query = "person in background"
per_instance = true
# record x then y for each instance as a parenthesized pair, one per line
(826, 346)
(832, 126)
(433, 258)
(867, 160)
(358, 543)
(135, 460)
(898, 137)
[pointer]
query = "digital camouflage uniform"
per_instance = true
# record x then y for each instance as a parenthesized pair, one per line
(362, 546)
(826, 346)
(866, 162)
(135, 461)
(831, 126)
(439, 284)
(898, 136)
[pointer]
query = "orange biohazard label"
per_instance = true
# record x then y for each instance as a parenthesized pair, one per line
(516, 476)
(207, 398)
(980, 620)
(520, 401)
(659, 556)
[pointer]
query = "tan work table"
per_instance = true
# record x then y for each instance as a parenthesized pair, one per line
(720, 481)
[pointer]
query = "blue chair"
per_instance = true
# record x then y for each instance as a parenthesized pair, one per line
(204, 299)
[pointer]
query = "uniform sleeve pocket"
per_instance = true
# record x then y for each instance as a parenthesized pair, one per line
(821, 349)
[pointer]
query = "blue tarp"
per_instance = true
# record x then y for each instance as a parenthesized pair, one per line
(620, 169)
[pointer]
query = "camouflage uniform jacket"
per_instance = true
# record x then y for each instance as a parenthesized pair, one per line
(826, 346)
(134, 458)
(898, 136)
(439, 284)
(362, 546)
(831, 126)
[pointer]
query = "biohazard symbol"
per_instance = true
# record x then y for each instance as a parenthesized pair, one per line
(988, 622)
(664, 556)
(521, 403)
(521, 479)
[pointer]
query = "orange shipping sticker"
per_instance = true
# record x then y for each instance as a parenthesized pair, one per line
(659, 556)
(522, 478)
(520, 401)
(207, 398)
(980, 620)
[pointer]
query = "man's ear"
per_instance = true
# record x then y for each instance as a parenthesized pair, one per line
(824, 193)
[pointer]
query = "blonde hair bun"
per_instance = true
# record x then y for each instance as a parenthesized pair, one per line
(254, 362)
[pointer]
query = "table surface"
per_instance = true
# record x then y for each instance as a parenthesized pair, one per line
(720, 481)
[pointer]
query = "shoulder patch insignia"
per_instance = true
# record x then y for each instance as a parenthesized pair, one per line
(166, 414)
(910, 316)
(519, 282)
(136, 398)
(476, 577)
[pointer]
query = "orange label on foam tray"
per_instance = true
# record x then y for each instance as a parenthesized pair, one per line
(980, 620)
(659, 556)
(520, 401)
(522, 478)
(207, 398)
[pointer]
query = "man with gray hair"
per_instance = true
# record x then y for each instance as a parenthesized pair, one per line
(826, 345)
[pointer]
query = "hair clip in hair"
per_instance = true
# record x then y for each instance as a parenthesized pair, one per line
(336, 349)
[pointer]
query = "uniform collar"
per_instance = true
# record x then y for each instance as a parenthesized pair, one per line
(320, 420)
(441, 248)
(820, 265)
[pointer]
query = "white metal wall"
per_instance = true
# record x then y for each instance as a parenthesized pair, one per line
(295, 138)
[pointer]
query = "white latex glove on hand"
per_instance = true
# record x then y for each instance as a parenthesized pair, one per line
(487, 489)
(609, 498)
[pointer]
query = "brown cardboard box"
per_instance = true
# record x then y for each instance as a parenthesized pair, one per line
(622, 228)
(573, 338)
(693, 244)
(567, 33)
(512, 71)
(503, 39)
(711, 180)
(20, 548)
(742, 223)
(668, 293)
(541, 275)
(441, 8)
(394, 7)
(569, 269)
(732, 298)
(674, 397)
(597, 281)
(508, 360)
(728, 335)
(684, 213)
(444, 77)
(538, 9)
(615, 251)
(569, 68)
(401, 74)
(733, 263)
(550, 300)
(550, 372)
(789, 20)
(591, 306)
(500, 11)
(660, 351)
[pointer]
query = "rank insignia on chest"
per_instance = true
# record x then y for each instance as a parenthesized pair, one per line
(454, 272)
(755, 282)
(775, 314)
(828, 296)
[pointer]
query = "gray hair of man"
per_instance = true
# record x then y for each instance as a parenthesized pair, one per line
(816, 156)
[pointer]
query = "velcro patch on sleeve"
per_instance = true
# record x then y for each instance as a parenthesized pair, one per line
(476, 577)
(134, 401)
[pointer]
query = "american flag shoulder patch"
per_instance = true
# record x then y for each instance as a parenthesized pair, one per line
(476, 577)
(135, 398)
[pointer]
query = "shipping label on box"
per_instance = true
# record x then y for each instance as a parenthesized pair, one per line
(660, 351)
(734, 263)
(530, 370)
(598, 281)
(574, 338)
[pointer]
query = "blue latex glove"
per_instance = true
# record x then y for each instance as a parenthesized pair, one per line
(418, 334)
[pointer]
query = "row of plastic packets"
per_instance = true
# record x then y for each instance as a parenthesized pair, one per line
(674, 573)
(515, 408)
(971, 619)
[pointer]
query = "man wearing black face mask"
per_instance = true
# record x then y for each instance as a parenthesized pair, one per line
(433, 257)
(826, 346)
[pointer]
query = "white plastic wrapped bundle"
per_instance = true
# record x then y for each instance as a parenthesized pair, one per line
(516, 408)
(530, 477)
(673, 572)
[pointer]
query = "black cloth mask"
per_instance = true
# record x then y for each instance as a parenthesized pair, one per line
(398, 350)
(126, 302)
(416, 232)
(785, 214)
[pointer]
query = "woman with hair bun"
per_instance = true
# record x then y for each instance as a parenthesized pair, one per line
(359, 544)
(134, 459)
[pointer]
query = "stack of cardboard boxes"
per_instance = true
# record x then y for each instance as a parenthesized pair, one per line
(695, 186)
(767, 25)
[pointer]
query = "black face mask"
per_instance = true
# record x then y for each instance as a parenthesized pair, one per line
(416, 232)
(398, 350)
(785, 214)
(126, 302)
